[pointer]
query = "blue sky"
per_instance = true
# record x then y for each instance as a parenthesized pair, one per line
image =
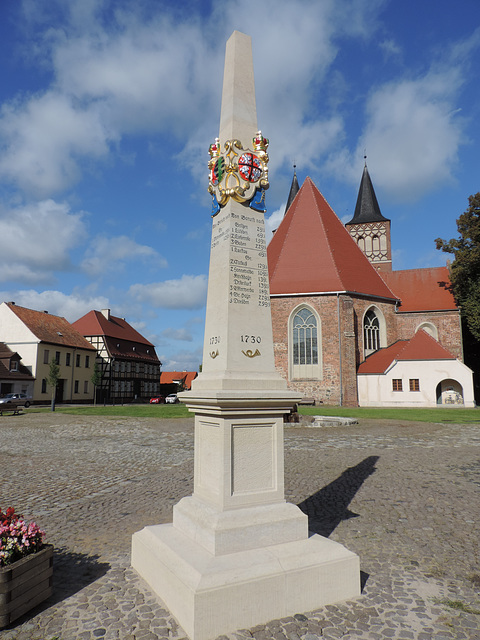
(107, 109)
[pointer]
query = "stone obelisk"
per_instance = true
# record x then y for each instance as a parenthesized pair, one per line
(237, 554)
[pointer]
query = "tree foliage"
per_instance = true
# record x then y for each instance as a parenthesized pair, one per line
(465, 268)
(52, 379)
(96, 380)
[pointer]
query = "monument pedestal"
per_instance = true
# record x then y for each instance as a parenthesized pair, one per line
(237, 554)
(211, 595)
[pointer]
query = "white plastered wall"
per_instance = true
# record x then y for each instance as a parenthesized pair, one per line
(376, 389)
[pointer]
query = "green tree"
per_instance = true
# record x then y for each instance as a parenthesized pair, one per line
(52, 379)
(96, 380)
(465, 268)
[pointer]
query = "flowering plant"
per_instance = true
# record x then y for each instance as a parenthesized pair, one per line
(17, 538)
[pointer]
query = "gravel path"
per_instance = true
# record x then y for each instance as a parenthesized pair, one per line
(404, 496)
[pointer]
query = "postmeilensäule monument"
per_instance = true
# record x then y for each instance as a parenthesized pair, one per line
(237, 554)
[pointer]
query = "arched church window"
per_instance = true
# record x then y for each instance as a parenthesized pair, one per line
(361, 243)
(305, 342)
(371, 332)
(305, 346)
(376, 244)
(429, 328)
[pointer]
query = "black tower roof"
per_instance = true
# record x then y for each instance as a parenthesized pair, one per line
(366, 209)
(294, 189)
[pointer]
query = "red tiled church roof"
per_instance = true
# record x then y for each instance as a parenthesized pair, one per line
(94, 323)
(312, 252)
(421, 289)
(421, 347)
(50, 328)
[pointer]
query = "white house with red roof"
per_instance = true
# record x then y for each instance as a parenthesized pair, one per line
(336, 301)
(40, 337)
(128, 362)
(415, 372)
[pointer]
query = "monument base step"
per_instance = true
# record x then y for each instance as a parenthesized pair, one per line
(212, 595)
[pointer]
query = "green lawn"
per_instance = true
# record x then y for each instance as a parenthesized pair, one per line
(433, 414)
(440, 414)
(127, 410)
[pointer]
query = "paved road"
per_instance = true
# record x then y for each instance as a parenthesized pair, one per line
(404, 496)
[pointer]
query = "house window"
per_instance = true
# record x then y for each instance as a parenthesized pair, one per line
(46, 356)
(87, 362)
(67, 359)
(57, 357)
(397, 384)
(76, 386)
(85, 386)
(44, 386)
(77, 360)
(371, 331)
(414, 384)
(14, 365)
(305, 338)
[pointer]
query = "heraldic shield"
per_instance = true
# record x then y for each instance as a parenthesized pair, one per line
(238, 173)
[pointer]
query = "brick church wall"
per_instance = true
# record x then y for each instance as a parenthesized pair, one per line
(326, 390)
(448, 325)
(361, 305)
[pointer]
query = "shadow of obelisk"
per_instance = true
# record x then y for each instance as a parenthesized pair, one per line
(237, 554)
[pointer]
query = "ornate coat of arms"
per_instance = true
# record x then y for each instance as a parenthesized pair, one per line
(238, 173)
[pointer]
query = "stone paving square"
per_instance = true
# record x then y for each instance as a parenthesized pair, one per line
(403, 496)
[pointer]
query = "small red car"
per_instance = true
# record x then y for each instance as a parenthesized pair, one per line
(157, 400)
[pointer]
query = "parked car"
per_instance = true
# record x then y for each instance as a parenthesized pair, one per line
(18, 399)
(171, 399)
(157, 400)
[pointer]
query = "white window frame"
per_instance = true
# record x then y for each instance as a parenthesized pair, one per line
(381, 336)
(312, 371)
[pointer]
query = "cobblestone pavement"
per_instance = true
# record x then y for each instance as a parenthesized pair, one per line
(404, 496)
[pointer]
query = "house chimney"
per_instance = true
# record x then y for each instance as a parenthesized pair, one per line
(106, 313)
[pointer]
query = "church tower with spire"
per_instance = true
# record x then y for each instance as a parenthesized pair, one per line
(369, 228)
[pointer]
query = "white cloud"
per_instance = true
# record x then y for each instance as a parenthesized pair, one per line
(272, 222)
(106, 255)
(188, 292)
(412, 134)
(177, 334)
(43, 138)
(35, 241)
(72, 307)
(182, 360)
(134, 75)
(390, 48)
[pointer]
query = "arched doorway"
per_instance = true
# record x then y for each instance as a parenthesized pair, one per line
(449, 391)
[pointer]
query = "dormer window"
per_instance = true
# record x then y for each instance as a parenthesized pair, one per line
(14, 365)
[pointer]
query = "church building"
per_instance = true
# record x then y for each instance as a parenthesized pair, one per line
(347, 329)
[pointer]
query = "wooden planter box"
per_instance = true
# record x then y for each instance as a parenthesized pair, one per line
(25, 584)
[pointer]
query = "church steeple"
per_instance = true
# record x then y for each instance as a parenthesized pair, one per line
(369, 228)
(294, 189)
